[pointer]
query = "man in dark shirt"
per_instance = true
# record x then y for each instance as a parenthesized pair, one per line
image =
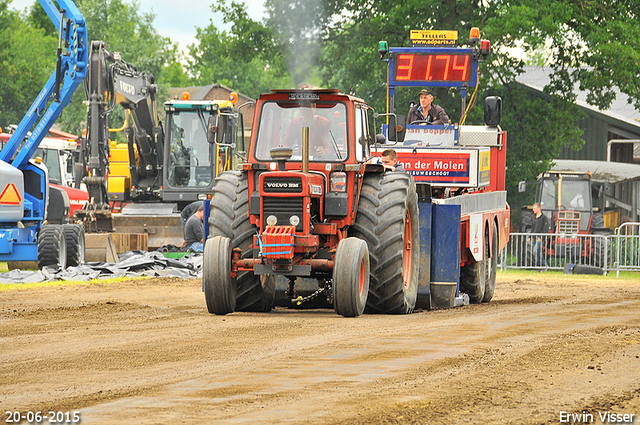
(540, 225)
(426, 111)
(194, 231)
(188, 211)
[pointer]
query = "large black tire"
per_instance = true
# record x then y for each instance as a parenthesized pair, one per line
(74, 234)
(473, 280)
(230, 218)
(351, 277)
(584, 269)
(52, 246)
(492, 264)
(219, 287)
(387, 220)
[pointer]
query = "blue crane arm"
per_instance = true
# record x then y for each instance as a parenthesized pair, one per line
(71, 70)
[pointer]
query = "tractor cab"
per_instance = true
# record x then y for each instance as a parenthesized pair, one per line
(307, 146)
(565, 198)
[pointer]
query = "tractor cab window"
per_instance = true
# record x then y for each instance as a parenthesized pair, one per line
(189, 152)
(282, 124)
(362, 134)
(575, 195)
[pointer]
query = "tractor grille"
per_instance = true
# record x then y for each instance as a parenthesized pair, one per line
(283, 209)
(283, 184)
(568, 222)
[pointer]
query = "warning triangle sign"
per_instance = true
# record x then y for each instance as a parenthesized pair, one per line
(10, 195)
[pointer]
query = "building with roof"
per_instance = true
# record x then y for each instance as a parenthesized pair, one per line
(612, 133)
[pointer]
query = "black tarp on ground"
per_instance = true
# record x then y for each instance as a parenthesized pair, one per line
(130, 264)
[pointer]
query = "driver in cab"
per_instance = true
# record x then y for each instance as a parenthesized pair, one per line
(426, 112)
(319, 132)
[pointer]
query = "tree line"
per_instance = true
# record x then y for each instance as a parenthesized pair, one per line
(333, 43)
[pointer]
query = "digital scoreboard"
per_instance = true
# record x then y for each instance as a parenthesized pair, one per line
(433, 66)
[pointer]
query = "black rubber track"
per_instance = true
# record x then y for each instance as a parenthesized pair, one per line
(230, 218)
(385, 200)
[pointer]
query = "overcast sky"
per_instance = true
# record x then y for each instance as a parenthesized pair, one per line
(177, 19)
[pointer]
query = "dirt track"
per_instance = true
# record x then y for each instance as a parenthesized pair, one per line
(147, 352)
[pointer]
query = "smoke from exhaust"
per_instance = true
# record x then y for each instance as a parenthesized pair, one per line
(298, 25)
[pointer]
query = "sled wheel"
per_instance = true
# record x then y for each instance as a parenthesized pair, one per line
(492, 265)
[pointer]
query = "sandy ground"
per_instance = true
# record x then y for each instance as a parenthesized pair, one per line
(147, 352)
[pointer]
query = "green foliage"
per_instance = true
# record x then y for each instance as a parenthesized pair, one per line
(589, 44)
(27, 59)
(247, 58)
(28, 47)
(174, 75)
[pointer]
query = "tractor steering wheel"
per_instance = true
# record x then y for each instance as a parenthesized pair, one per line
(420, 122)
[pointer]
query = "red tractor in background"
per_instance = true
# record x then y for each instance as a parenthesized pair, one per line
(310, 203)
(571, 206)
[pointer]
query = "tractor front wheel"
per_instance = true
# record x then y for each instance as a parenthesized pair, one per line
(219, 286)
(351, 277)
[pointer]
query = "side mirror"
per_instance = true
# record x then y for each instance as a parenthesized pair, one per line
(397, 128)
(492, 111)
(380, 139)
(522, 186)
(212, 129)
(222, 129)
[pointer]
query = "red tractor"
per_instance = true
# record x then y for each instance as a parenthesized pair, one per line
(309, 202)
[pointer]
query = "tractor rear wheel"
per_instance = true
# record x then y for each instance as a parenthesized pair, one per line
(230, 218)
(387, 220)
(351, 277)
(74, 234)
(219, 287)
(52, 246)
(491, 265)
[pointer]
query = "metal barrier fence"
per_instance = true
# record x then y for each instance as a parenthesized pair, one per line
(626, 248)
(556, 251)
(589, 253)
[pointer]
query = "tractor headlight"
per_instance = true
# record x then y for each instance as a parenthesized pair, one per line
(294, 220)
(272, 220)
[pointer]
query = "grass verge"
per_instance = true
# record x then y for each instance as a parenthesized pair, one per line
(559, 274)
